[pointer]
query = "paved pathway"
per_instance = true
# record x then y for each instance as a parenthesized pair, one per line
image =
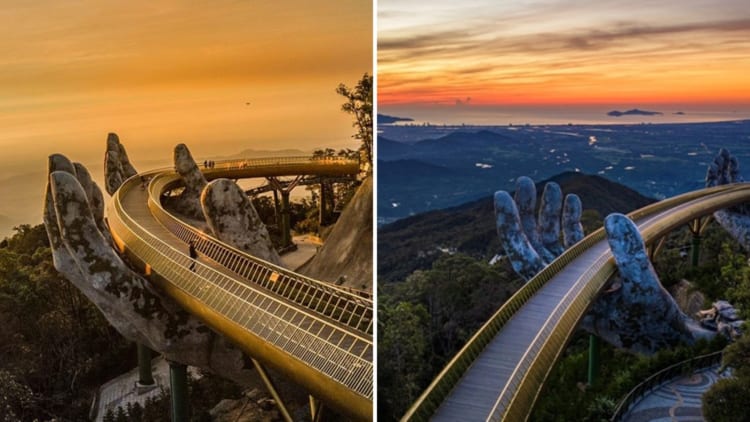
(124, 389)
(677, 400)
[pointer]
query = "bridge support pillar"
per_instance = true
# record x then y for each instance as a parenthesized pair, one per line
(696, 249)
(286, 230)
(697, 227)
(325, 216)
(272, 389)
(594, 352)
(316, 410)
(145, 377)
(276, 209)
(285, 188)
(179, 392)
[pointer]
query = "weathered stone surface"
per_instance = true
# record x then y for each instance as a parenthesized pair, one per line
(346, 255)
(189, 201)
(234, 220)
(639, 315)
(524, 259)
(571, 220)
(117, 167)
(634, 312)
(536, 242)
(736, 220)
(140, 313)
(525, 198)
(549, 218)
(95, 198)
(246, 409)
(687, 298)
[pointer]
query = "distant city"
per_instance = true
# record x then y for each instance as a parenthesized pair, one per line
(447, 165)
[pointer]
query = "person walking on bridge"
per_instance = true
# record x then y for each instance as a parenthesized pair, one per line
(193, 254)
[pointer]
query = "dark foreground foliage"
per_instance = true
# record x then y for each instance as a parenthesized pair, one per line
(55, 347)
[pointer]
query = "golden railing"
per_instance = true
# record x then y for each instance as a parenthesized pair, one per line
(663, 376)
(515, 403)
(351, 307)
(325, 347)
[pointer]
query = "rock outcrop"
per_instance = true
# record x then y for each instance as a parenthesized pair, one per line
(689, 300)
(346, 256)
(234, 220)
(117, 167)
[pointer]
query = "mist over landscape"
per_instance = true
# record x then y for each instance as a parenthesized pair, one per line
(22, 186)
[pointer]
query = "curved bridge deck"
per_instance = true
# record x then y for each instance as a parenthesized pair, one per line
(316, 333)
(498, 374)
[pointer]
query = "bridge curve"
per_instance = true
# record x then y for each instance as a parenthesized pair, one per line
(316, 333)
(498, 374)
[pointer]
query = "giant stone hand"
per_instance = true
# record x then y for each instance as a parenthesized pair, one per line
(736, 220)
(531, 243)
(83, 254)
(634, 312)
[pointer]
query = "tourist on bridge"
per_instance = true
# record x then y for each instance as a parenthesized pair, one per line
(193, 254)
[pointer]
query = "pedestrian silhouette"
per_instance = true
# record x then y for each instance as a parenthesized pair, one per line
(193, 254)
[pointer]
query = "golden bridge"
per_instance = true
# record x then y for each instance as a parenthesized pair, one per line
(500, 371)
(317, 334)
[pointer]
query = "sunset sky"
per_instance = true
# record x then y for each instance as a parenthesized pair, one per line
(563, 52)
(160, 73)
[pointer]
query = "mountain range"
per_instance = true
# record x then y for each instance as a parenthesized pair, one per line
(415, 242)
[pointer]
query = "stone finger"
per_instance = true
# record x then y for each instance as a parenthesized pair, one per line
(571, 220)
(524, 259)
(234, 220)
(95, 198)
(525, 198)
(549, 218)
(188, 202)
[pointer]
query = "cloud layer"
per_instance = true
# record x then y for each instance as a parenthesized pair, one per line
(563, 52)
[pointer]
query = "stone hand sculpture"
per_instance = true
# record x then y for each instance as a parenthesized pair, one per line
(736, 220)
(117, 167)
(234, 220)
(635, 312)
(530, 242)
(83, 254)
(189, 201)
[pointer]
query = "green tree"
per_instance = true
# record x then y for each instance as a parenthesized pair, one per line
(726, 401)
(402, 346)
(359, 104)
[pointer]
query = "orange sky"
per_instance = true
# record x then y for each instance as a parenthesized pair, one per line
(484, 52)
(160, 73)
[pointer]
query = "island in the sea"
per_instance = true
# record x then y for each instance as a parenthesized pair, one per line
(634, 112)
(384, 119)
